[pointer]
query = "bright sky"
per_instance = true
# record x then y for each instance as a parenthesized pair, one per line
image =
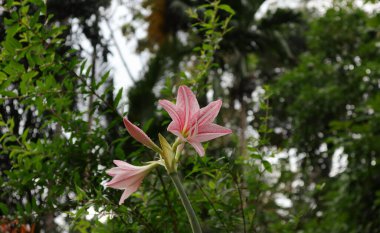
(120, 14)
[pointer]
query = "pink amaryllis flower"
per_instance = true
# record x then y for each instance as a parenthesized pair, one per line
(191, 123)
(127, 177)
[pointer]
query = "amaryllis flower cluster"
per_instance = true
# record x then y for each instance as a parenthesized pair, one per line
(190, 123)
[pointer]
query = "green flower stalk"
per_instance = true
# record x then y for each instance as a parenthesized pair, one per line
(195, 226)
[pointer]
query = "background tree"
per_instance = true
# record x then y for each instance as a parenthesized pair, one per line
(335, 84)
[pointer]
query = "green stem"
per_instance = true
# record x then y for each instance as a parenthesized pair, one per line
(186, 203)
(176, 143)
(178, 152)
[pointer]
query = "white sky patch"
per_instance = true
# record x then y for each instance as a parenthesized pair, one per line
(61, 222)
(297, 183)
(251, 132)
(101, 167)
(277, 156)
(118, 15)
(91, 213)
(210, 95)
(373, 162)
(282, 201)
(102, 217)
(66, 133)
(237, 105)
(272, 5)
(183, 37)
(256, 97)
(323, 148)
(227, 80)
(317, 5)
(369, 7)
(339, 162)
(79, 36)
(257, 94)
(1, 8)
(293, 160)
(321, 5)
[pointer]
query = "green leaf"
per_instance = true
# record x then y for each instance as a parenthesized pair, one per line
(82, 67)
(81, 194)
(118, 97)
(256, 156)
(11, 31)
(208, 13)
(267, 166)
(211, 184)
(2, 76)
(207, 47)
(11, 124)
(103, 80)
(196, 49)
(30, 59)
(29, 75)
(191, 13)
(28, 208)
(147, 124)
(14, 68)
(24, 136)
(8, 93)
(227, 8)
(11, 44)
(38, 165)
(4, 209)
(25, 9)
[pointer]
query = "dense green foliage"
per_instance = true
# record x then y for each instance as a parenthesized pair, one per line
(300, 92)
(330, 100)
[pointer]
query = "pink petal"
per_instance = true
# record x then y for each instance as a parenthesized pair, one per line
(122, 167)
(209, 113)
(128, 177)
(198, 148)
(125, 165)
(115, 171)
(173, 111)
(139, 135)
(194, 128)
(210, 131)
(187, 101)
(178, 134)
(173, 128)
(125, 180)
(128, 191)
(125, 174)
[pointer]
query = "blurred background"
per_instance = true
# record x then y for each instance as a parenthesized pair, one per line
(299, 80)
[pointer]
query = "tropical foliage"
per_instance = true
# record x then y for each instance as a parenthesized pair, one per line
(300, 92)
